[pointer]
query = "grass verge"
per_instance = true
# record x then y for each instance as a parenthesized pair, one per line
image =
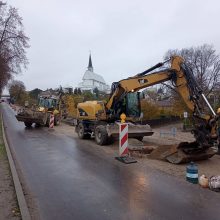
(9, 208)
(2, 146)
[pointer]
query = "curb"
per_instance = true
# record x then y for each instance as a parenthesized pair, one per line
(25, 214)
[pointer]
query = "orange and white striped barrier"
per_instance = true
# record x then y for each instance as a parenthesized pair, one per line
(51, 125)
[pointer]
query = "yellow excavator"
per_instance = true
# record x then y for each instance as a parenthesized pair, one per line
(48, 103)
(95, 118)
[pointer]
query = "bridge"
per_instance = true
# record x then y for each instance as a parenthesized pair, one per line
(5, 96)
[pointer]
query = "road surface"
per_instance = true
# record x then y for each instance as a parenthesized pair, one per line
(69, 178)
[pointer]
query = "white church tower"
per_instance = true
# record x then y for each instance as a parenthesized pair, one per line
(91, 80)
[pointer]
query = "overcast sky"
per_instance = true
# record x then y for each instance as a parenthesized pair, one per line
(125, 37)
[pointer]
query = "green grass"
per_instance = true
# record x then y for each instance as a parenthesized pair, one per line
(4, 162)
(2, 146)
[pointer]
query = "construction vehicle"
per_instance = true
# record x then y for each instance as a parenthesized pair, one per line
(99, 119)
(48, 103)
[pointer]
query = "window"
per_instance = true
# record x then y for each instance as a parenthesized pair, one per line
(133, 107)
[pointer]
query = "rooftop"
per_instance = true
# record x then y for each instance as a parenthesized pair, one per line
(91, 75)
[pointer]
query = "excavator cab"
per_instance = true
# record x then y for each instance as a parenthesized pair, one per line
(133, 105)
(48, 103)
(130, 106)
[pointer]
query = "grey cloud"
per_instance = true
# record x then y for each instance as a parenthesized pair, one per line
(125, 37)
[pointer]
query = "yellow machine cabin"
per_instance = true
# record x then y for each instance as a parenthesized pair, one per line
(91, 110)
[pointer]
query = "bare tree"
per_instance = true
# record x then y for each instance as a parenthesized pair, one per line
(17, 90)
(13, 44)
(4, 73)
(205, 64)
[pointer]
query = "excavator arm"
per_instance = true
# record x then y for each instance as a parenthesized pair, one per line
(182, 79)
(95, 117)
(186, 86)
(143, 80)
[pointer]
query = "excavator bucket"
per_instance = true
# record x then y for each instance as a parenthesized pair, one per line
(134, 130)
(28, 115)
(176, 154)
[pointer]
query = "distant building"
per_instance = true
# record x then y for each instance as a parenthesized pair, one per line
(68, 89)
(92, 80)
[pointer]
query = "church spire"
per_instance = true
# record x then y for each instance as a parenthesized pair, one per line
(90, 67)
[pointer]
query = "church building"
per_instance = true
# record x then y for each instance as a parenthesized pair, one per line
(91, 80)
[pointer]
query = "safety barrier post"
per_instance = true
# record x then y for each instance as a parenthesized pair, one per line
(51, 125)
(123, 139)
(123, 143)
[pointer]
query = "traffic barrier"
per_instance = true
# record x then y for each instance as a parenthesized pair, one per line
(123, 139)
(51, 125)
(123, 145)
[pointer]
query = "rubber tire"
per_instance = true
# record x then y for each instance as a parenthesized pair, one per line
(101, 135)
(110, 140)
(81, 132)
(28, 124)
(56, 120)
(48, 121)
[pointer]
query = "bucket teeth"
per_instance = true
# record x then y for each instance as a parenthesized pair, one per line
(176, 155)
(181, 157)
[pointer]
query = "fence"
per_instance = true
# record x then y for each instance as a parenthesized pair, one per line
(162, 121)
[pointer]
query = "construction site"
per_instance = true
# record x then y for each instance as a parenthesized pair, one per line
(109, 110)
(115, 129)
(113, 132)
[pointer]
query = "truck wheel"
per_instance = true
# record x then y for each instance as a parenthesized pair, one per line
(110, 140)
(101, 135)
(28, 124)
(81, 132)
(48, 121)
(56, 120)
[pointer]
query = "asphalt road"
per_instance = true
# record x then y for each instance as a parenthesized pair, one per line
(70, 178)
